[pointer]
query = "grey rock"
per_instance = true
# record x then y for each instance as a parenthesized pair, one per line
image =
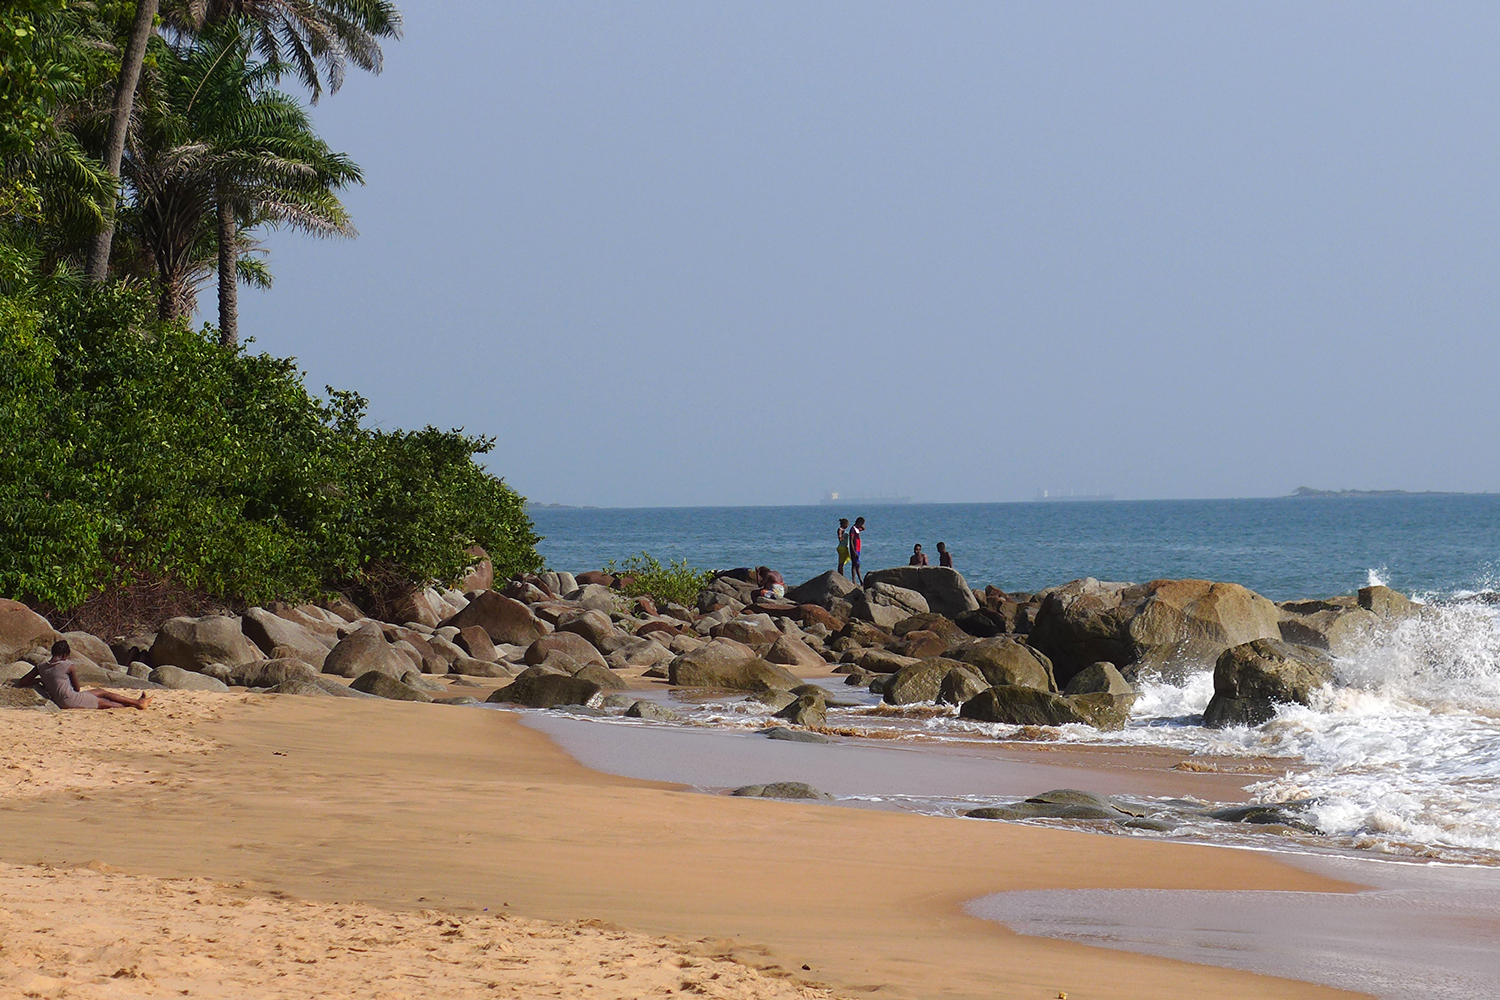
(178, 679)
(606, 679)
(271, 632)
(364, 650)
(958, 686)
(545, 690)
(1021, 706)
(570, 642)
(783, 790)
(822, 590)
(193, 643)
(1004, 660)
(653, 711)
(808, 710)
(922, 681)
(383, 685)
(945, 590)
(775, 700)
(792, 735)
(504, 619)
(1251, 679)
(462, 699)
(469, 667)
(1101, 677)
(92, 647)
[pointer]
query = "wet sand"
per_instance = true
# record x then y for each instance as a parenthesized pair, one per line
(402, 808)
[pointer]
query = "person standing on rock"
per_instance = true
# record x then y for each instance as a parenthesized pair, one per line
(918, 557)
(843, 544)
(945, 558)
(856, 546)
(59, 680)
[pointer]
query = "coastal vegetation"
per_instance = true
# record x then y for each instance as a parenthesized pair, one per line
(145, 150)
(644, 576)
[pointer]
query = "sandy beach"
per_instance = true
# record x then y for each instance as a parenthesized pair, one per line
(355, 824)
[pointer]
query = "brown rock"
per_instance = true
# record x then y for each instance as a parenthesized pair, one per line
(569, 644)
(21, 629)
(194, 643)
(481, 575)
(1003, 660)
(793, 652)
(922, 645)
(505, 620)
(363, 650)
(594, 576)
(477, 643)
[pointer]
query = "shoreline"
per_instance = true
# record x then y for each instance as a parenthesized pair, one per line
(411, 807)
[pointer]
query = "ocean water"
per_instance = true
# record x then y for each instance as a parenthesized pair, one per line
(1399, 758)
(1283, 548)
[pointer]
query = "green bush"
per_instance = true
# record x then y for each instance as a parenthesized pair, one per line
(677, 582)
(131, 448)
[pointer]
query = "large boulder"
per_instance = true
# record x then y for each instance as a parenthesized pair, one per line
(596, 627)
(922, 681)
(640, 652)
(1023, 706)
(21, 630)
(1099, 678)
(1171, 627)
(272, 632)
(569, 644)
(363, 650)
(425, 607)
(536, 688)
(751, 629)
(504, 619)
(481, 575)
(793, 652)
(596, 597)
(1003, 660)
(822, 590)
(1251, 679)
(194, 643)
(945, 590)
(271, 673)
(883, 661)
(715, 666)
(884, 604)
(476, 642)
(1342, 631)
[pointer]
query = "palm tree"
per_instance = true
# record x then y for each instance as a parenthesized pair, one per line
(223, 152)
(302, 35)
(119, 124)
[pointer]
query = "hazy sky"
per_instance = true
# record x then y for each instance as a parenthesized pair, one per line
(716, 253)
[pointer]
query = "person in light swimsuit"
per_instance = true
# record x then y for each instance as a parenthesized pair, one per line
(58, 678)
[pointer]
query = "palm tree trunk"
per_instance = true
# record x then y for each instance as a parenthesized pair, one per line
(229, 301)
(119, 125)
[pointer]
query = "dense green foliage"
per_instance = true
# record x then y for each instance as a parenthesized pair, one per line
(646, 577)
(131, 446)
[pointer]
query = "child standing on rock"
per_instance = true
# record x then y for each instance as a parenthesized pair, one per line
(843, 544)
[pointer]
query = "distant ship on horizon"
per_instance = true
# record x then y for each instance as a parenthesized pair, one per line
(1048, 496)
(834, 497)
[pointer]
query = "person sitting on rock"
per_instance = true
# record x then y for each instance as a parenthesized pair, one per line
(918, 557)
(945, 558)
(59, 681)
(769, 584)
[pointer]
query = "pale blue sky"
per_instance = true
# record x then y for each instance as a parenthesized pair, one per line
(698, 253)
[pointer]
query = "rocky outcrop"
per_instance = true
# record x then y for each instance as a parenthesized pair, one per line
(1386, 603)
(1170, 627)
(1099, 678)
(945, 590)
(93, 647)
(504, 619)
(363, 650)
(1251, 679)
(194, 643)
(271, 632)
(21, 630)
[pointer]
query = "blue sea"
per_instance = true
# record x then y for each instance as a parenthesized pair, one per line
(1400, 756)
(1283, 548)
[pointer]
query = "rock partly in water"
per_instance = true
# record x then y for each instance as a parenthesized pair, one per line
(1020, 706)
(653, 711)
(792, 735)
(1251, 679)
(1003, 660)
(808, 710)
(535, 688)
(727, 670)
(1101, 677)
(783, 790)
(923, 681)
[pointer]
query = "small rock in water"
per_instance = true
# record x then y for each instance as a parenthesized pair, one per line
(651, 710)
(792, 735)
(783, 790)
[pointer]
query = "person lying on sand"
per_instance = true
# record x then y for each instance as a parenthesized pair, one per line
(59, 680)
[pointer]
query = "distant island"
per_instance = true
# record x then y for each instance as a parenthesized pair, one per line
(558, 506)
(1308, 491)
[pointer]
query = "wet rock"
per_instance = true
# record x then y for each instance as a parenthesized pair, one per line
(808, 710)
(1251, 679)
(774, 700)
(1288, 814)
(921, 682)
(728, 671)
(545, 690)
(1099, 677)
(1003, 660)
(457, 699)
(1060, 803)
(1021, 706)
(606, 679)
(1386, 603)
(783, 790)
(383, 685)
(653, 711)
(792, 735)
(958, 686)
